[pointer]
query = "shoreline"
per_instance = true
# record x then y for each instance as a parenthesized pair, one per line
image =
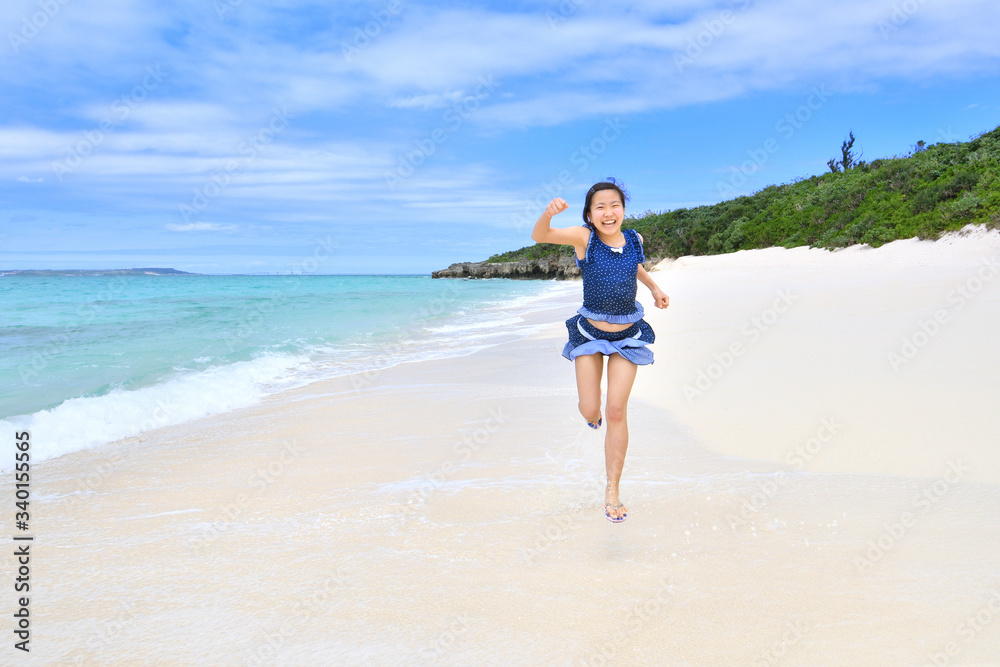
(204, 387)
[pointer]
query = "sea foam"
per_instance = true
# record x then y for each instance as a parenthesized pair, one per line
(80, 423)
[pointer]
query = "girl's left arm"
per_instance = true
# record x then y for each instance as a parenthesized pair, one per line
(659, 298)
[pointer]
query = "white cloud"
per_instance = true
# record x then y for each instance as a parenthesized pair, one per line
(550, 71)
(425, 102)
(557, 72)
(201, 227)
(180, 116)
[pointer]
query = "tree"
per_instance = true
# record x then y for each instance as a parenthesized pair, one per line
(848, 159)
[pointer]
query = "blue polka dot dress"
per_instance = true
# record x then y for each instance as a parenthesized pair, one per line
(609, 288)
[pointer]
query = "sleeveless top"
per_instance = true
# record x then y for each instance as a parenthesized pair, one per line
(609, 279)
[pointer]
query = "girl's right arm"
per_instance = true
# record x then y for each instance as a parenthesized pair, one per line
(574, 236)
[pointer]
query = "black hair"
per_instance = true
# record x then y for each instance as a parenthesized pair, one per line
(610, 184)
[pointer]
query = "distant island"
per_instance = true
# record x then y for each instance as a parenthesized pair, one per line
(931, 190)
(96, 272)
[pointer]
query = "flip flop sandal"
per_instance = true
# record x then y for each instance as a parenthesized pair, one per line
(614, 507)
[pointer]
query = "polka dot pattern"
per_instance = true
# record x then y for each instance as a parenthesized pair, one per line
(609, 287)
(609, 279)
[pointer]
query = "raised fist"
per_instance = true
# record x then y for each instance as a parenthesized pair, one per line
(556, 206)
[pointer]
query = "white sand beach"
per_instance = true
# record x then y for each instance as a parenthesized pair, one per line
(894, 345)
(812, 478)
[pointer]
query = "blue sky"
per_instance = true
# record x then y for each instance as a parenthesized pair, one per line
(238, 136)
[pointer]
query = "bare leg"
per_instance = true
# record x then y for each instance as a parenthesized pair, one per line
(621, 375)
(589, 369)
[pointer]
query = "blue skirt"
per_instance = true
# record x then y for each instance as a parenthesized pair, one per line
(585, 338)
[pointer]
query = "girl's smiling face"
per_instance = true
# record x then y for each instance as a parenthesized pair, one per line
(607, 212)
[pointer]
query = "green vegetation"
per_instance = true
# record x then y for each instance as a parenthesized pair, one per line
(935, 189)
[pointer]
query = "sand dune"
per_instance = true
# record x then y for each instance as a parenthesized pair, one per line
(861, 360)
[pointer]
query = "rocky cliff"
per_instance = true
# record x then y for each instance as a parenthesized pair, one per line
(558, 267)
(553, 267)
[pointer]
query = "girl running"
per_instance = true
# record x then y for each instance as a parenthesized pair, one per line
(609, 324)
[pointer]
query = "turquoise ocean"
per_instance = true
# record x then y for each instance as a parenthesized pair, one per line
(88, 360)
